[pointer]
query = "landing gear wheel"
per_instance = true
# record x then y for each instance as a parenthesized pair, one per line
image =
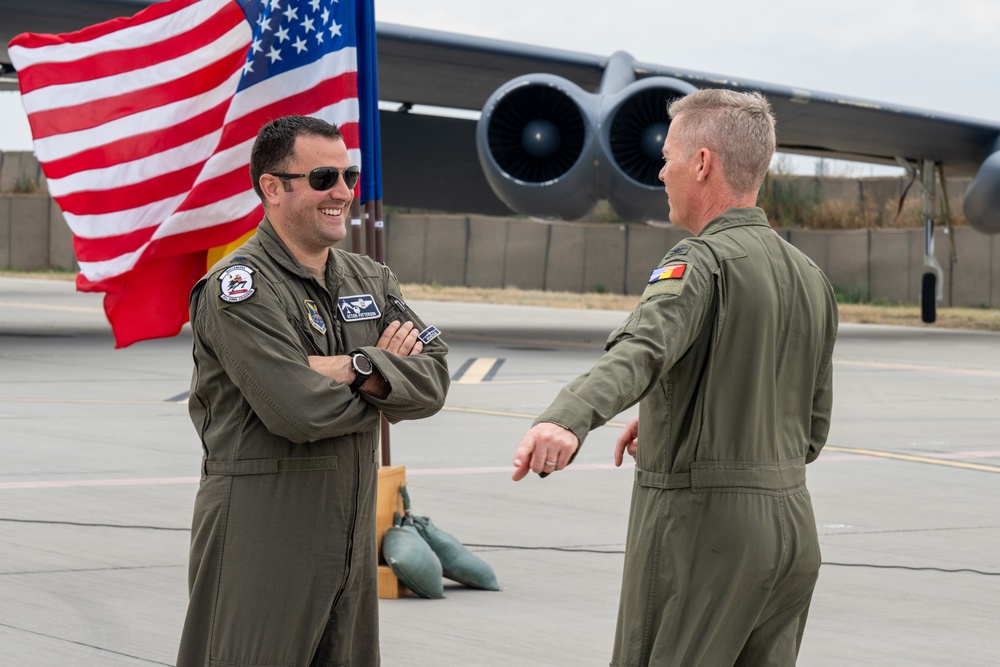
(928, 298)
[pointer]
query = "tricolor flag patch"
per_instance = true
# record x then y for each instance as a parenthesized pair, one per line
(667, 272)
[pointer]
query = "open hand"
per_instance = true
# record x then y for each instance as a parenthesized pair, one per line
(400, 338)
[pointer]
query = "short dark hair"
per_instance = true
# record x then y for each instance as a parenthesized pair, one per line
(275, 144)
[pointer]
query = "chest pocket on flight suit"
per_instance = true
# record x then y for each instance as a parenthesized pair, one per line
(362, 332)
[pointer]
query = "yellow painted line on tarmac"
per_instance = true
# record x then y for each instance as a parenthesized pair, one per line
(38, 306)
(491, 413)
(537, 342)
(914, 459)
(829, 448)
(476, 371)
(85, 401)
(916, 367)
(525, 415)
(501, 413)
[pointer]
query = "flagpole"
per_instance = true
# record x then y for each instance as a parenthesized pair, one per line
(355, 227)
(379, 232)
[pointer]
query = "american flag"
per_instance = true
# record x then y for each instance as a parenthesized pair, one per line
(143, 127)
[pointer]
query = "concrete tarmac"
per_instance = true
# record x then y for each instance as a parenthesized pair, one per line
(99, 465)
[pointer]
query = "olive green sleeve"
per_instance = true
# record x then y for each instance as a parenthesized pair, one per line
(822, 407)
(659, 331)
(261, 353)
(419, 382)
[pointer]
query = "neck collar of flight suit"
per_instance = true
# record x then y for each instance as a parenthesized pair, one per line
(736, 217)
(279, 252)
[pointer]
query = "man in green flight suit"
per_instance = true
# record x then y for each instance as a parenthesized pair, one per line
(297, 349)
(728, 354)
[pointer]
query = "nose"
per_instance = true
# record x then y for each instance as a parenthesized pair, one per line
(341, 191)
(660, 175)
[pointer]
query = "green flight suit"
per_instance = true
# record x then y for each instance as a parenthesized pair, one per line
(729, 355)
(283, 564)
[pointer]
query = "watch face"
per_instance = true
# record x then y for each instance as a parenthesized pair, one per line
(362, 364)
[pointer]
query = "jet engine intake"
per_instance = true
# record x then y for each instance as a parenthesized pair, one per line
(535, 143)
(634, 126)
(550, 149)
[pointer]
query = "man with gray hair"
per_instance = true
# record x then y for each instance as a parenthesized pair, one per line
(728, 354)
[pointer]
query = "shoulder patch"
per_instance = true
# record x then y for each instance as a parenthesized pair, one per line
(669, 279)
(668, 272)
(236, 283)
(358, 307)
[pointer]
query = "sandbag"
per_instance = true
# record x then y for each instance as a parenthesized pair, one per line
(412, 561)
(457, 562)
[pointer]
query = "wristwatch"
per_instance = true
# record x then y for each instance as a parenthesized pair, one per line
(362, 366)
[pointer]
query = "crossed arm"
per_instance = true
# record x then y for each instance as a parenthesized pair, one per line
(398, 338)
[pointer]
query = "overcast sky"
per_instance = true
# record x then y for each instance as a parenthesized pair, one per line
(928, 54)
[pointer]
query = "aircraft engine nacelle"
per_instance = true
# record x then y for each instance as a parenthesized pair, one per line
(982, 199)
(535, 141)
(634, 125)
(550, 149)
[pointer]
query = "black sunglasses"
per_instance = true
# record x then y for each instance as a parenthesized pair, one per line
(324, 178)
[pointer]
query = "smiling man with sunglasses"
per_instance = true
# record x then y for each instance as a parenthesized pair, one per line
(298, 347)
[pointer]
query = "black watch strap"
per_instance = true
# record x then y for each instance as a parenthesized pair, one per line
(362, 366)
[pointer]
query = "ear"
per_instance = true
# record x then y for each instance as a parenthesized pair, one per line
(704, 164)
(271, 186)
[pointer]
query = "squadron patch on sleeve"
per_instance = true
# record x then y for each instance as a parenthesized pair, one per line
(236, 283)
(315, 319)
(428, 334)
(358, 307)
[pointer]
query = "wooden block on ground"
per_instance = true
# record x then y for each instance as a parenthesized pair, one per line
(389, 586)
(387, 503)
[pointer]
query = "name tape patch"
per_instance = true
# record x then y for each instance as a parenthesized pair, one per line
(358, 307)
(237, 283)
(667, 272)
(428, 334)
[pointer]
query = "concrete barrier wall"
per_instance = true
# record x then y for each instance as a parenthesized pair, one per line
(882, 265)
(483, 251)
(878, 265)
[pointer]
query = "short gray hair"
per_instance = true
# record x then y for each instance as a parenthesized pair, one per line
(738, 127)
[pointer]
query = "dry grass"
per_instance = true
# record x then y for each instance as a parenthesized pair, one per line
(952, 318)
(981, 319)
(519, 297)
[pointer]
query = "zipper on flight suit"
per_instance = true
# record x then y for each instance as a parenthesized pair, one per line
(340, 347)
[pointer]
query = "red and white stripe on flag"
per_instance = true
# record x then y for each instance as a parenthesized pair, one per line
(143, 127)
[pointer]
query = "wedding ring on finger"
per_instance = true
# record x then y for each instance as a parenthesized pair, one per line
(550, 464)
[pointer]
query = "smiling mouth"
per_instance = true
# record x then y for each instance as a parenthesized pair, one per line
(331, 211)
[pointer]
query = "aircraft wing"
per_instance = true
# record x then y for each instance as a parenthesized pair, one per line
(430, 67)
(560, 130)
